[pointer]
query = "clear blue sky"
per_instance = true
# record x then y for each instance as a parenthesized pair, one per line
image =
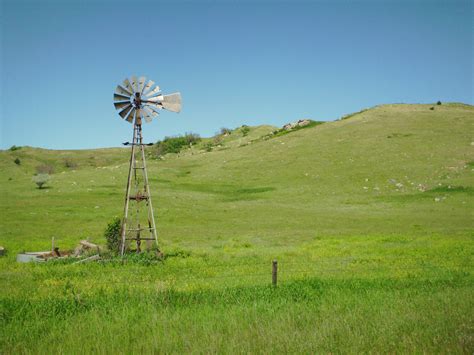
(235, 62)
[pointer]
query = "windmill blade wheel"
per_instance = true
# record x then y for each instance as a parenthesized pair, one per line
(138, 98)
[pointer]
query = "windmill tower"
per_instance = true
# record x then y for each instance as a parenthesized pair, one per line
(137, 100)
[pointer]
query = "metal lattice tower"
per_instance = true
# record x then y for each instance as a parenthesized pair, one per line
(139, 99)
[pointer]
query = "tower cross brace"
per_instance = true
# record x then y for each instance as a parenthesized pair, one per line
(133, 230)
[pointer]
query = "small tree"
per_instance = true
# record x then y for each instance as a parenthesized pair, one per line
(112, 235)
(17, 161)
(438, 103)
(245, 130)
(40, 180)
(192, 138)
(225, 131)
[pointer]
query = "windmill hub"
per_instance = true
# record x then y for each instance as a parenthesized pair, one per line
(136, 99)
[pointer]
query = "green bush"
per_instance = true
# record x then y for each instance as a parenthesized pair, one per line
(225, 131)
(17, 161)
(176, 144)
(208, 146)
(112, 235)
(69, 163)
(245, 130)
(14, 147)
(40, 180)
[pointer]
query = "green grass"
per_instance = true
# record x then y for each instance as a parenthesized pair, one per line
(370, 219)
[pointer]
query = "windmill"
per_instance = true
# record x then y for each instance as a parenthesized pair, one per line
(138, 99)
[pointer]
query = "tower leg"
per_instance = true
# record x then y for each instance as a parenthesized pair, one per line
(127, 193)
(151, 217)
(132, 227)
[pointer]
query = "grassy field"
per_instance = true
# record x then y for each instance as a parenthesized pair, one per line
(369, 217)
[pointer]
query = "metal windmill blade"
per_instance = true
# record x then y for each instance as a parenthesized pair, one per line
(126, 84)
(147, 87)
(158, 98)
(125, 111)
(131, 116)
(156, 107)
(122, 91)
(154, 113)
(148, 114)
(153, 92)
(121, 105)
(134, 82)
(118, 97)
(172, 102)
(141, 84)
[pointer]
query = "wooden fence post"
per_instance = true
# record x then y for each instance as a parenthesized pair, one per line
(274, 272)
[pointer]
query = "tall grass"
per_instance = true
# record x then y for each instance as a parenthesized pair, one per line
(312, 315)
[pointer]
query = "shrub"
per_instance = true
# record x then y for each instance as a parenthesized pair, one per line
(45, 169)
(40, 180)
(438, 103)
(14, 147)
(245, 130)
(17, 161)
(112, 235)
(192, 138)
(208, 146)
(176, 144)
(225, 131)
(69, 163)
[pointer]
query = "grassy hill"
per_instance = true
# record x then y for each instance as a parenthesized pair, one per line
(370, 218)
(380, 172)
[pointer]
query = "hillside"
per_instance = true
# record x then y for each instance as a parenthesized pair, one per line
(369, 218)
(391, 169)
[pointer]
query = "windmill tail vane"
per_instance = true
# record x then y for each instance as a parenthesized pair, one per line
(137, 100)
